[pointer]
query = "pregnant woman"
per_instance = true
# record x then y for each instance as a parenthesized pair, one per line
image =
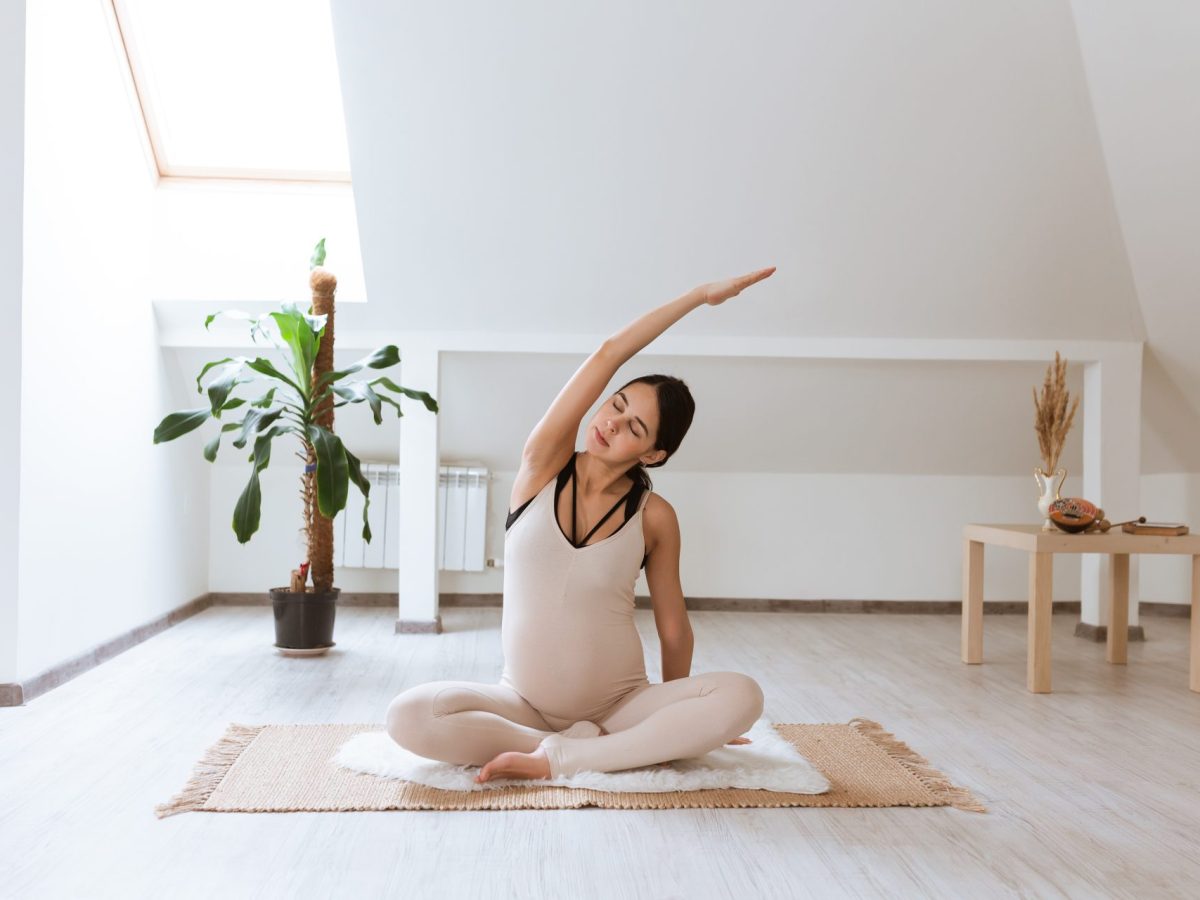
(573, 694)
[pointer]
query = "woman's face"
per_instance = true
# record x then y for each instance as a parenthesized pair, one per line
(626, 426)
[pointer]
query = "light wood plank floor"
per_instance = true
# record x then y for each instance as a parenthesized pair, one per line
(1092, 789)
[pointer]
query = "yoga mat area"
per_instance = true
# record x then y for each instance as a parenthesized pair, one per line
(290, 768)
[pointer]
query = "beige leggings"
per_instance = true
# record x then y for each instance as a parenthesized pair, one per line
(470, 723)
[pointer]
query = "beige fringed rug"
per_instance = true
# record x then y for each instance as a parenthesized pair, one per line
(290, 768)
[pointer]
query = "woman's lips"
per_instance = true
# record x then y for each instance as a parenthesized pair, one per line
(599, 437)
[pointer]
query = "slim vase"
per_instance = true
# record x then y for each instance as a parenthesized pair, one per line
(1049, 493)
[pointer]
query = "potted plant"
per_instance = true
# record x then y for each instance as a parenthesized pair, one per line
(300, 403)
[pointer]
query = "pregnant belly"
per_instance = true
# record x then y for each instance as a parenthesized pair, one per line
(574, 674)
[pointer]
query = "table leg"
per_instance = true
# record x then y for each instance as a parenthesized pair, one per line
(1118, 609)
(972, 611)
(1041, 581)
(1194, 676)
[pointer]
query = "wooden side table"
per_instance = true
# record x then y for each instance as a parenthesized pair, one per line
(1041, 547)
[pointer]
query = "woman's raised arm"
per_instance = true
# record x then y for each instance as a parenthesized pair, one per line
(552, 440)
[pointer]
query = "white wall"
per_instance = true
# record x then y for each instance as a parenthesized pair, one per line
(232, 241)
(1143, 75)
(1169, 498)
(759, 535)
(12, 167)
(930, 171)
(113, 528)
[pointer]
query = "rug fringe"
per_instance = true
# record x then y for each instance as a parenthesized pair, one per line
(209, 772)
(937, 782)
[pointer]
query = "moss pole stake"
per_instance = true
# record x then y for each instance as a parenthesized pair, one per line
(320, 529)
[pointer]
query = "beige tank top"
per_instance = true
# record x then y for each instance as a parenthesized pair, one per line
(570, 644)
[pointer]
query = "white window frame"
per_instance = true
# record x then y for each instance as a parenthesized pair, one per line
(155, 144)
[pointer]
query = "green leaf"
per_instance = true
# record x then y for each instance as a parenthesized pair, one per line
(262, 444)
(266, 368)
(182, 422)
(256, 420)
(315, 323)
(256, 322)
(207, 366)
(247, 512)
(220, 389)
(301, 333)
(266, 399)
(355, 470)
(333, 474)
(318, 255)
(223, 382)
(233, 404)
(230, 314)
(211, 448)
(430, 403)
(357, 392)
(381, 358)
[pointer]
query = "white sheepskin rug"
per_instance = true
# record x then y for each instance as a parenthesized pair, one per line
(769, 763)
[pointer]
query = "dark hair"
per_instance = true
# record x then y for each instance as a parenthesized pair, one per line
(675, 411)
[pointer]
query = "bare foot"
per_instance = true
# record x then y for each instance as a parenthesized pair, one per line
(516, 765)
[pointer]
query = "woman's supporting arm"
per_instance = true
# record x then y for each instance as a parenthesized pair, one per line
(666, 592)
(677, 657)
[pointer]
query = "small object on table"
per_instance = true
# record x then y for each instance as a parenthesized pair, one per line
(1161, 528)
(1105, 525)
(1074, 514)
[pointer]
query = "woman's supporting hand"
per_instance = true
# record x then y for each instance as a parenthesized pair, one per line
(717, 292)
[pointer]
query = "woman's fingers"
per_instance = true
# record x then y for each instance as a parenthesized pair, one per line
(759, 275)
(740, 740)
(718, 292)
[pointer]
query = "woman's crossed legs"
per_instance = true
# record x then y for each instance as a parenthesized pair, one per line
(470, 723)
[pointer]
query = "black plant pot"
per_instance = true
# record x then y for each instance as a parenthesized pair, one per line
(304, 620)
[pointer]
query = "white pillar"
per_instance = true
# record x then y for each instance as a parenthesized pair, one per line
(1112, 445)
(418, 576)
(12, 194)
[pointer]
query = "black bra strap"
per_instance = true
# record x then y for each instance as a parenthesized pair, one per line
(616, 506)
(574, 498)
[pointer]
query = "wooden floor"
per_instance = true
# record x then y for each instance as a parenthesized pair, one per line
(1094, 790)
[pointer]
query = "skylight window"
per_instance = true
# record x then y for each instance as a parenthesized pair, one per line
(238, 88)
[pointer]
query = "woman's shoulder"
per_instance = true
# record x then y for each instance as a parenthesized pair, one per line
(659, 521)
(657, 505)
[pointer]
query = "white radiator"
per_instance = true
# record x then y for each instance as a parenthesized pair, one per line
(462, 519)
(384, 550)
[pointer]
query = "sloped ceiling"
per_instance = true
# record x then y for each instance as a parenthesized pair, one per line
(914, 170)
(1143, 71)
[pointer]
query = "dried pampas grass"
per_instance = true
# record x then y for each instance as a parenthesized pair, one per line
(1052, 421)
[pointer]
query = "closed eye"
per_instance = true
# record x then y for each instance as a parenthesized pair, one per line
(631, 428)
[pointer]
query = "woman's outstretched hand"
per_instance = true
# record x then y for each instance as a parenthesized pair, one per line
(717, 292)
